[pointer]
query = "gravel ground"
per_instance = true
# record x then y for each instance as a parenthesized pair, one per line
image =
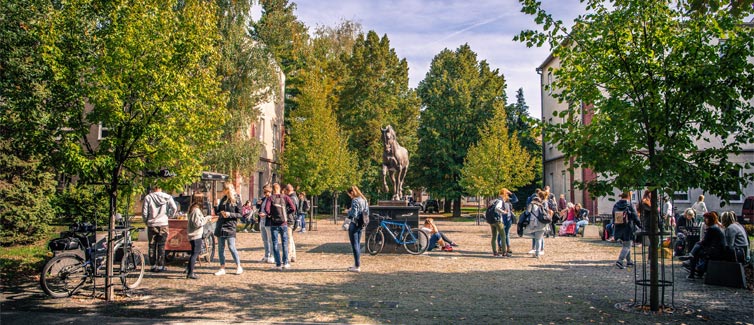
(574, 282)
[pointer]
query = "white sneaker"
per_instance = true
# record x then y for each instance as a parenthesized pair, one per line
(532, 251)
(221, 272)
(271, 260)
(287, 266)
(354, 269)
(541, 253)
(279, 268)
(264, 259)
(239, 270)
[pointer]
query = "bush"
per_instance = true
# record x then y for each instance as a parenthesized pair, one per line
(81, 203)
(749, 229)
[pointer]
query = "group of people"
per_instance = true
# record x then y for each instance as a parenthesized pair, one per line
(723, 238)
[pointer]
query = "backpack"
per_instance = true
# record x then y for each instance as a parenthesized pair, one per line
(620, 216)
(491, 215)
(362, 219)
(543, 216)
(305, 206)
(278, 213)
(523, 222)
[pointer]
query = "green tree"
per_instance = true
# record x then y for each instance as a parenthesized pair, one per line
(26, 181)
(145, 71)
(497, 161)
(458, 94)
(672, 93)
(376, 94)
(520, 123)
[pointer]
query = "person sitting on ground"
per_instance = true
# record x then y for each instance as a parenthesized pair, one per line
(435, 236)
(712, 247)
(735, 238)
(582, 217)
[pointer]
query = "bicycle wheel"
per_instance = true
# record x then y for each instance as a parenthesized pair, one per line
(415, 241)
(63, 275)
(376, 242)
(132, 268)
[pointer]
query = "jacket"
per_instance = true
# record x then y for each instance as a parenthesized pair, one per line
(535, 208)
(196, 222)
(226, 226)
(357, 206)
(713, 243)
(290, 208)
(625, 231)
(156, 209)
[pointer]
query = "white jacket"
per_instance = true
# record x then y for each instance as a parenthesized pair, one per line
(157, 206)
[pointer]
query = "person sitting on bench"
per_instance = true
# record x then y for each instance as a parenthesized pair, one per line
(712, 247)
(735, 238)
(582, 218)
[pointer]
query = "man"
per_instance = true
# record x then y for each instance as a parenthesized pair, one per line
(292, 220)
(624, 219)
(155, 211)
(276, 208)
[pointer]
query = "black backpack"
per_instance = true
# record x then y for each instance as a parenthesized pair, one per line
(305, 206)
(491, 215)
(363, 218)
(543, 216)
(278, 209)
(523, 222)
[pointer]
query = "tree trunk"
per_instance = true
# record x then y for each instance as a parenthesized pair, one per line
(112, 192)
(654, 247)
(445, 205)
(457, 207)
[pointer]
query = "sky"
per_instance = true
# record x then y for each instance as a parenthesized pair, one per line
(419, 29)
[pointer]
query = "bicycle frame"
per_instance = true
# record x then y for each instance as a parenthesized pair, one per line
(404, 229)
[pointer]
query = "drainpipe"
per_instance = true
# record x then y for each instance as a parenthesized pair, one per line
(542, 116)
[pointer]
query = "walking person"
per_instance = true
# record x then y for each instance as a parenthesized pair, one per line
(359, 205)
(277, 207)
(195, 229)
(158, 206)
(624, 218)
(292, 221)
(264, 228)
(304, 205)
(229, 211)
(536, 229)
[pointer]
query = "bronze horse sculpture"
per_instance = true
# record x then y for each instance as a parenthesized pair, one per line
(394, 161)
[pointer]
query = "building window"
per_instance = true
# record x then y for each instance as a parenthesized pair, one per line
(103, 132)
(275, 137)
(732, 197)
(681, 196)
(565, 181)
(549, 83)
(261, 130)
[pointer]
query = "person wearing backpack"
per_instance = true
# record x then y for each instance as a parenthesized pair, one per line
(304, 205)
(359, 208)
(292, 219)
(264, 228)
(508, 219)
(537, 228)
(624, 219)
(277, 208)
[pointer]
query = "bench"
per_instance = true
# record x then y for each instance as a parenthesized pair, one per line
(724, 273)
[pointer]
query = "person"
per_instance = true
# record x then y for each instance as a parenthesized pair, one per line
(562, 203)
(358, 206)
(158, 206)
(645, 211)
(507, 221)
(668, 220)
(552, 206)
(304, 205)
(624, 219)
(436, 238)
(277, 207)
(699, 209)
(195, 230)
(686, 235)
(735, 238)
(582, 218)
(498, 242)
(229, 211)
(711, 247)
(536, 228)
(247, 217)
(264, 230)
(569, 216)
(292, 221)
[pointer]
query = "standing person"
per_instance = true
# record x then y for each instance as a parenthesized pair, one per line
(536, 228)
(498, 243)
(668, 219)
(264, 228)
(562, 203)
(645, 212)
(277, 207)
(507, 221)
(699, 210)
(229, 211)
(155, 211)
(305, 205)
(195, 229)
(358, 206)
(552, 205)
(624, 218)
(292, 221)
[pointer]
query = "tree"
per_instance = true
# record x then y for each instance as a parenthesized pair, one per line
(26, 179)
(148, 74)
(497, 161)
(376, 94)
(672, 94)
(459, 94)
(522, 125)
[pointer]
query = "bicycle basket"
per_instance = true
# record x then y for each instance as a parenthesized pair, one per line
(63, 244)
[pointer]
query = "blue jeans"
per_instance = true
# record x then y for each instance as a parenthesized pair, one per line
(580, 224)
(302, 221)
(282, 231)
(231, 246)
(196, 249)
(539, 242)
(433, 239)
(507, 230)
(354, 235)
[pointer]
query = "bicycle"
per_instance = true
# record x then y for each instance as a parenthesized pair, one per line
(413, 240)
(77, 258)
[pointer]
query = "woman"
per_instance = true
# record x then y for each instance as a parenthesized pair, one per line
(195, 229)
(264, 229)
(537, 229)
(229, 211)
(735, 237)
(507, 222)
(247, 216)
(304, 204)
(582, 218)
(645, 211)
(498, 240)
(711, 247)
(435, 236)
(699, 210)
(358, 206)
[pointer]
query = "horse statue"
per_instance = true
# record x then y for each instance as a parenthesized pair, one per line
(395, 161)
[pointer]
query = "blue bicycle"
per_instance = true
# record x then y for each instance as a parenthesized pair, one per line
(414, 240)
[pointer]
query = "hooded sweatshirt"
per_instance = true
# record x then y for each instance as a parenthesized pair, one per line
(156, 208)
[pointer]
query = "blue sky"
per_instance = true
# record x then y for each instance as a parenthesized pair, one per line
(419, 29)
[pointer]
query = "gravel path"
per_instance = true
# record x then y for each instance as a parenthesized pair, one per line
(574, 282)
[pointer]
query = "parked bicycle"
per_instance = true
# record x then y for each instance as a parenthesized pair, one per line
(413, 240)
(78, 259)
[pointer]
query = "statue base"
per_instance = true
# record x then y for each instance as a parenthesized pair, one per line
(392, 203)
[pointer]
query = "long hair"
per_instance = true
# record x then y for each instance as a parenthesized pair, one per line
(354, 190)
(712, 217)
(504, 194)
(728, 218)
(197, 200)
(231, 193)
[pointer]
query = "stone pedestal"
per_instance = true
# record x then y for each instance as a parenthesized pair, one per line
(409, 214)
(392, 203)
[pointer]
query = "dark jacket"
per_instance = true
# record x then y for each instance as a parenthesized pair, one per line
(713, 243)
(227, 226)
(290, 209)
(625, 231)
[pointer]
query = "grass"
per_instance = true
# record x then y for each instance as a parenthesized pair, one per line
(22, 261)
